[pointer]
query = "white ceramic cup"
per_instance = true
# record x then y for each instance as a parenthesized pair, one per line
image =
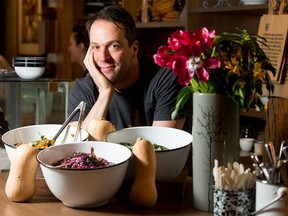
(265, 193)
(247, 144)
(258, 148)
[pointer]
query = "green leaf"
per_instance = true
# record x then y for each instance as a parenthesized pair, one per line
(182, 98)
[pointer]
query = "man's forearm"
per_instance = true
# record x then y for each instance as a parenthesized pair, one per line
(100, 108)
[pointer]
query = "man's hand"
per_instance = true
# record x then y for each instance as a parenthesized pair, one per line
(105, 88)
(99, 78)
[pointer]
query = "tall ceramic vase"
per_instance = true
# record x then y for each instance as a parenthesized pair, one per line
(215, 136)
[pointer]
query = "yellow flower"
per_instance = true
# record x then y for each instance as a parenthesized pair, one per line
(239, 54)
(232, 65)
(259, 74)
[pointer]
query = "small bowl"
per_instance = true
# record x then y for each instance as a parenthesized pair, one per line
(29, 73)
(29, 68)
(85, 188)
(247, 144)
(169, 163)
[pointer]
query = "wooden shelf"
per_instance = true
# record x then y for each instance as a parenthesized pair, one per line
(225, 18)
(160, 24)
(234, 9)
(254, 114)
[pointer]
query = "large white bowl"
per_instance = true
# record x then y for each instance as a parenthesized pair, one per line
(30, 73)
(28, 134)
(169, 163)
(85, 188)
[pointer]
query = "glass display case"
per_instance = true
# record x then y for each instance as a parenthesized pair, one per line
(34, 102)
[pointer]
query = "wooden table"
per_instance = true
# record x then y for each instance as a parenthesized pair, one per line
(40, 205)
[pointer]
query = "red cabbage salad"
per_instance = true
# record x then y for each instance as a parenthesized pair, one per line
(80, 160)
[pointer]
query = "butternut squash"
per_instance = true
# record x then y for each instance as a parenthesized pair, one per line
(99, 128)
(21, 182)
(143, 192)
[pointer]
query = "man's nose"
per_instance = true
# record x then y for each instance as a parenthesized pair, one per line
(104, 54)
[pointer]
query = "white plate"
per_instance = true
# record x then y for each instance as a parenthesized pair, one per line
(253, 2)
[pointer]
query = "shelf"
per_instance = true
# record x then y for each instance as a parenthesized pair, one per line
(160, 24)
(254, 114)
(234, 9)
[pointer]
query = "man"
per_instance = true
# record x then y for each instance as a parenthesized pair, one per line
(126, 89)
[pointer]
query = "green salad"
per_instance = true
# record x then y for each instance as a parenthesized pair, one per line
(156, 146)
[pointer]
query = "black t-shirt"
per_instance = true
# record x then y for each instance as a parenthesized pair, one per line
(152, 97)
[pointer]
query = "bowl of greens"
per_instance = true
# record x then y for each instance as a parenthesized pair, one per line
(172, 147)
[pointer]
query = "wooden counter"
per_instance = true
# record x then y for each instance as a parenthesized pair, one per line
(51, 206)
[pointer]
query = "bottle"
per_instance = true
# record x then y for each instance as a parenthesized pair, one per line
(146, 11)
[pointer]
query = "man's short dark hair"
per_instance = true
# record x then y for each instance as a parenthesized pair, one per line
(118, 15)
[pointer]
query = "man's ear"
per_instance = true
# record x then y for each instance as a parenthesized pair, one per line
(135, 48)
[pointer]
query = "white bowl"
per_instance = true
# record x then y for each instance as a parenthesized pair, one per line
(29, 73)
(253, 2)
(247, 144)
(28, 134)
(169, 163)
(85, 188)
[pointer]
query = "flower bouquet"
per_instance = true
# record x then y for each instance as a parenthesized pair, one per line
(231, 64)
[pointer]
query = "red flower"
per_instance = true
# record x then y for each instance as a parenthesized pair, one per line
(203, 39)
(184, 55)
(205, 61)
(180, 43)
(180, 68)
(162, 58)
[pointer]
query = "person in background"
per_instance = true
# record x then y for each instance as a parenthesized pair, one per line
(78, 45)
(126, 89)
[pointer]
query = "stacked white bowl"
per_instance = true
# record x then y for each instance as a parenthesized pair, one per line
(253, 2)
(30, 68)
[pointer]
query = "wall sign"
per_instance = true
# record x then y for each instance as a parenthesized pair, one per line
(275, 29)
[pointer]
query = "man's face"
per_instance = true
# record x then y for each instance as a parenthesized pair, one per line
(112, 55)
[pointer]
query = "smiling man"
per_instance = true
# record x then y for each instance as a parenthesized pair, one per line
(126, 89)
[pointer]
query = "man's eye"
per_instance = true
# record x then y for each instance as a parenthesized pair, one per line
(114, 46)
(93, 47)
